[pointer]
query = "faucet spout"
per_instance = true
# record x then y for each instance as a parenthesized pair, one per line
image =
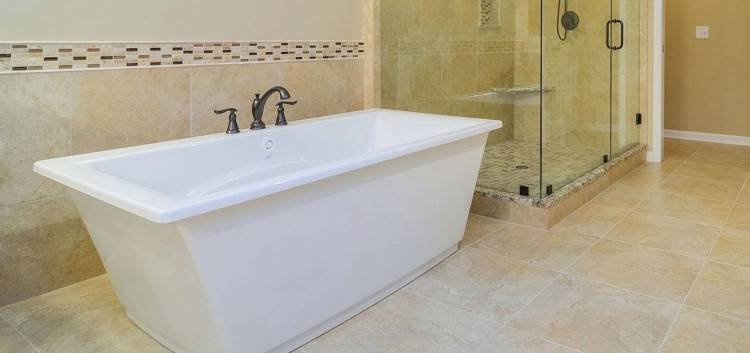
(259, 105)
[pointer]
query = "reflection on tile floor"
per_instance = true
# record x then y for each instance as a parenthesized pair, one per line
(654, 264)
(512, 163)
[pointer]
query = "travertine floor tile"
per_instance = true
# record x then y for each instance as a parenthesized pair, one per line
(621, 196)
(479, 227)
(744, 198)
(710, 212)
(701, 187)
(712, 171)
(77, 319)
(11, 341)
(483, 283)
(725, 159)
(597, 318)
(141, 343)
(550, 249)
(593, 220)
(665, 233)
(510, 340)
(648, 271)
(733, 246)
(740, 218)
(644, 178)
(407, 322)
(723, 289)
(697, 331)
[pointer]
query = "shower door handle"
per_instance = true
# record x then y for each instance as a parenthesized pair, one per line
(609, 34)
(622, 34)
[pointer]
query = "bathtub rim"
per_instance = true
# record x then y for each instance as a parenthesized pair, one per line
(74, 173)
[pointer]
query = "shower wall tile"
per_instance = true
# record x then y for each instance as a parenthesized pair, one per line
(34, 125)
(418, 79)
(114, 109)
(43, 246)
(400, 17)
(494, 70)
(459, 74)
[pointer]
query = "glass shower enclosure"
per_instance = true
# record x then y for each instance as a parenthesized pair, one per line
(562, 75)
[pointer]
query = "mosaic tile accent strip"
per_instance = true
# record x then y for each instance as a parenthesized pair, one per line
(15, 57)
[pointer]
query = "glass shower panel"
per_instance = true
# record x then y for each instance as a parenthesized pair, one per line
(625, 75)
(473, 58)
(576, 85)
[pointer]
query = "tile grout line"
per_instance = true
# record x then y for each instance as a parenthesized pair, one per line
(23, 337)
(724, 316)
(695, 281)
(560, 274)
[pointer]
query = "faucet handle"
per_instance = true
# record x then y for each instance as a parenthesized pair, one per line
(280, 115)
(232, 128)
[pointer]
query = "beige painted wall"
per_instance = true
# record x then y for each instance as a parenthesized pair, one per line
(708, 80)
(179, 20)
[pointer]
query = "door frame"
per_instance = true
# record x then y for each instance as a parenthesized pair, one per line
(656, 154)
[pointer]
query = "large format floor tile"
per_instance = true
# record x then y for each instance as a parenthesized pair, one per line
(11, 341)
(407, 322)
(701, 187)
(478, 227)
(593, 220)
(555, 250)
(597, 318)
(697, 331)
(723, 289)
(733, 247)
(665, 233)
(621, 196)
(661, 274)
(706, 211)
(510, 340)
(484, 284)
(740, 218)
(744, 198)
(77, 319)
(712, 171)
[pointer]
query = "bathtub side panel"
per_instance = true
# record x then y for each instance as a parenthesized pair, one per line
(153, 276)
(277, 267)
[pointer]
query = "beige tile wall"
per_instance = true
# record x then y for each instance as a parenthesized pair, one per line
(43, 244)
(433, 55)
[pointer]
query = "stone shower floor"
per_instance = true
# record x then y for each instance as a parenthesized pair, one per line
(657, 263)
(512, 163)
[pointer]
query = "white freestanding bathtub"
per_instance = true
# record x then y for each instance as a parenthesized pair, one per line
(261, 241)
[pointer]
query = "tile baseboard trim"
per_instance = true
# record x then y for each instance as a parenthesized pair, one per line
(63, 57)
(708, 137)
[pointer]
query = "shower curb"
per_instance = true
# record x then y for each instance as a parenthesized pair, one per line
(548, 211)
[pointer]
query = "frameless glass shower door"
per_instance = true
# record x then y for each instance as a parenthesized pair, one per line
(626, 74)
(590, 69)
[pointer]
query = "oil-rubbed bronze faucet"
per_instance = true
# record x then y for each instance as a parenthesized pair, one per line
(259, 104)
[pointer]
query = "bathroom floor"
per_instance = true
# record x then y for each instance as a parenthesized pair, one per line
(659, 262)
(509, 164)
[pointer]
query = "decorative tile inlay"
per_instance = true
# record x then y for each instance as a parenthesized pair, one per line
(84, 56)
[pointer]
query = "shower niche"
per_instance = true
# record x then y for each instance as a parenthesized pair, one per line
(489, 14)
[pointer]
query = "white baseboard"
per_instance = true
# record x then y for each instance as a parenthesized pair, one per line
(706, 137)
